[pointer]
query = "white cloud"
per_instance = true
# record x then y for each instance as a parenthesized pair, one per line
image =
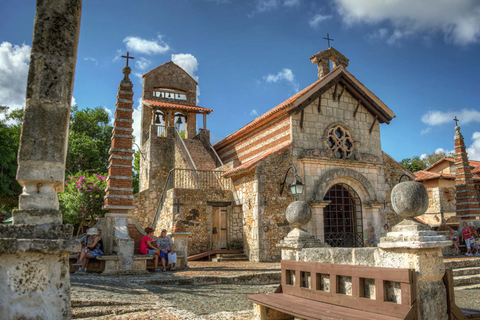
(458, 21)
(118, 55)
(189, 63)
(91, 59)
(142, 63)
(269, 5)
(110, 114)
(474, 150)
(426, 130)
(286, 75)
(74, 102)
(137, 123)
(436, 117)
(423, 156)
(154, 46)
(254, 112)
(317, 19)
(14, 60)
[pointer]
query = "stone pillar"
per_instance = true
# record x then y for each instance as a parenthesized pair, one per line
(34, 270)
(318, 217)
(298, 214)
(119, 192)
(466, 197)
(416, 245)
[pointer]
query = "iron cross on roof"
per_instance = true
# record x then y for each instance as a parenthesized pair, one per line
(328, 39)
(456, 121)
(128, 57)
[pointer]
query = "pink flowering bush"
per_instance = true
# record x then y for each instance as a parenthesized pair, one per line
(82, 198)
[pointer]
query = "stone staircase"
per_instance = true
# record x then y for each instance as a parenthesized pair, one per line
(200, 156)
(222, 257)
(466, 272)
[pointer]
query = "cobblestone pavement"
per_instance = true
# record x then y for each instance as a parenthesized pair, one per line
(122, 297)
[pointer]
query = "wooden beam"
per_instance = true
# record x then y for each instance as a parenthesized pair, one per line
(373, 124)
(315, 95)
(335, 91)
(319, 108)
(340, 94)
(356, 109)
(356, 93)
(301, 119)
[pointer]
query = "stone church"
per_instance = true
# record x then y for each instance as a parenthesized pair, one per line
(228, 196)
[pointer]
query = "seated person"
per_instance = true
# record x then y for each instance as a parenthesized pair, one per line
(165, 244)
(455, 242)
(146, 247)
(369, 235)
(91, 250)
(474, 240)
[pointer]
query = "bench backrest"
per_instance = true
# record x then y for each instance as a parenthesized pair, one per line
(349, 286)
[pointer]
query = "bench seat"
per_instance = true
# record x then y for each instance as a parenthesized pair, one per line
(309, 309)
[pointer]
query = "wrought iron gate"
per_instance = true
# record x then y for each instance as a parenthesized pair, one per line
(343, 217)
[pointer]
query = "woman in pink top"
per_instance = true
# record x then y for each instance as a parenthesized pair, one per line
(466, 236)
(146, 247)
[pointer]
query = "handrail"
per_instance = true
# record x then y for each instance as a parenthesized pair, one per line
(192, 179)
(186, 154)
(206, 143)
(162, 199)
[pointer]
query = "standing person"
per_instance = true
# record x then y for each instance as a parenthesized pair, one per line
(91, 250)
(369, 235)
(146, 247)
(455, 242)
(466, 236)
(165, 244)
(473, 240)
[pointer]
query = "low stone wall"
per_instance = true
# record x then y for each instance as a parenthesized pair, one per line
(427, 263)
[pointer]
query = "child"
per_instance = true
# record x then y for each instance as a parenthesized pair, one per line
(455, 242)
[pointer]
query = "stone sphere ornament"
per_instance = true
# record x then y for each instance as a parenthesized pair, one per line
(298, 213)
(409, 199)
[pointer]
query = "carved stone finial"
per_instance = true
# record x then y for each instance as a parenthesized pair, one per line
(298, 213)
(409, 199)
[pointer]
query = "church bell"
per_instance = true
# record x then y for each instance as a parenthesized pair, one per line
(157, 119)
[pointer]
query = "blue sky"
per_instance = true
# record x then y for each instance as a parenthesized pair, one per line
(419, 57)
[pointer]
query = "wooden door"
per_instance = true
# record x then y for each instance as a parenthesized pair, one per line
(219, 228)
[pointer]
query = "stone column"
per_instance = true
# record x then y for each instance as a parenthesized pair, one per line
(34, 271)
(298, 214)
(466, 197)
(417, 246)
(119, 198)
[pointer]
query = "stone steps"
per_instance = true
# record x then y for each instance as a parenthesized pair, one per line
(200, 156)
(229, 257)
(466, 272)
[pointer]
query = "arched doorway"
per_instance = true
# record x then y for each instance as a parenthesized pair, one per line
(343, 217)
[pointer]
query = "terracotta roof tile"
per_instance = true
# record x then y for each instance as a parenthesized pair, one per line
(169, 105)
(252, 162)
(427, 175)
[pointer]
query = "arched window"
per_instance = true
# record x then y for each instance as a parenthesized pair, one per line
(343, 217)
(340, 142)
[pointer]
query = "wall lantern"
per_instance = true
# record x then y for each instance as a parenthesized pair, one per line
(297, 186)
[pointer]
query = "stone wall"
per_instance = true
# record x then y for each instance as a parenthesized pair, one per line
(441, 194)
(244, 193)
(195, 213)
(256, 142)
(235, 228)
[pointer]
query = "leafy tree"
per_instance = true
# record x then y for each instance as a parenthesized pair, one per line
(136, 172)
(82, 198)
(89, 140)
(414, 164)
(435, 156)
(10, 130)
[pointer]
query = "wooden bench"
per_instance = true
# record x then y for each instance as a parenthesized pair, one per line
(454, 312)
(306, 293)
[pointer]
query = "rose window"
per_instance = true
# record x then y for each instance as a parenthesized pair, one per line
(340, 142)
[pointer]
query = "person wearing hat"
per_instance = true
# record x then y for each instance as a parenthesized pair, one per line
(92, 249)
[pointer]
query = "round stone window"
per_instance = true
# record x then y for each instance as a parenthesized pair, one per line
(340, 141)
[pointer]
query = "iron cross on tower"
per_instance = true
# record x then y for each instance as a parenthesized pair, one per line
(456, 121)
(328, 39)
(128, 57)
